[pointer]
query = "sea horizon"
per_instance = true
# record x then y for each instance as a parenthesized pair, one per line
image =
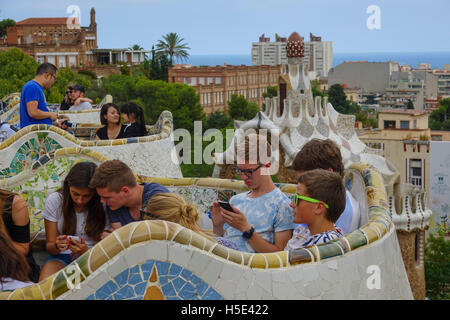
(436, 59)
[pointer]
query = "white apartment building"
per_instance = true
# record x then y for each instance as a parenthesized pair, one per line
(318, 54)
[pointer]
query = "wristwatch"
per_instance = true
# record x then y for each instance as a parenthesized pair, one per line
(249, 233)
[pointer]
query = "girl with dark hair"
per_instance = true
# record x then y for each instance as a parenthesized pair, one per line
(110, 118)
(15, 223)
(14, 269)
(74, 219)
(134, 116)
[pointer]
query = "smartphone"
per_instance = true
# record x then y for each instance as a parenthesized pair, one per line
(76, 238)
(67, 123)
(226, 205)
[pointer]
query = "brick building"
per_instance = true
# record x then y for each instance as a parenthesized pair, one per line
(63, 42)
(56, 40)
(215, 85)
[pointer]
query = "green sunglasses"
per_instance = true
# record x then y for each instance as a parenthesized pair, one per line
(297, 196)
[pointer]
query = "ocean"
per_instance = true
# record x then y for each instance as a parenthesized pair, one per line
(436, 59)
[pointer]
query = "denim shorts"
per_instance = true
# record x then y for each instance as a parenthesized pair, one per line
(64, 258)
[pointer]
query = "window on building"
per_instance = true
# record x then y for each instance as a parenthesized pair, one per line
(389, 124)
(415, 124)
(186, 80)
(404, 124)
(201, 80)
(415, 172)
(210, 80)
(194, 81)
(40, 59)
(218, 80)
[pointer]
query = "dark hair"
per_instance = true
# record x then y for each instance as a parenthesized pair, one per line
(46, 67)
(104, 111)
(113, 174)
(5, 194)
(132, 108)
(319, 154)
(79, 176)
(328, 187)
(12, 263)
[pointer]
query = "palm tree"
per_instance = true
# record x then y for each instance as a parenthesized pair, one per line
(135, 47)
(172, 46)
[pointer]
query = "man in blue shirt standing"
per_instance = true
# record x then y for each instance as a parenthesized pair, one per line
(33, 107)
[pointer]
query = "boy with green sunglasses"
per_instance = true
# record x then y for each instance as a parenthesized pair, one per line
(318, 203)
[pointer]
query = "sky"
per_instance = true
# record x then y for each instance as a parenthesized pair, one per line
(221, 27)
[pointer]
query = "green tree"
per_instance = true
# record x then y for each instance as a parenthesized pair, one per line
(16, 68)
(315, 88)
(218, 120)
(135, 47)
(437, 267)
(4, 24)
(271, 92)
(440, 116)
(241, 109)
(338, 98)
(410, 105)
(171, 45)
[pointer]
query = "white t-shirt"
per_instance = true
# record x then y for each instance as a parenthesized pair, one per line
(9, 284)
(53, 212)
(81, 106)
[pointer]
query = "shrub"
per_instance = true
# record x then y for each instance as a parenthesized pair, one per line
(437, 267)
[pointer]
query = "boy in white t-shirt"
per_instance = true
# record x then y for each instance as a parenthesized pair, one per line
(317, 205)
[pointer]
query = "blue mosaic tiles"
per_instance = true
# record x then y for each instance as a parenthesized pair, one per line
(175, 282)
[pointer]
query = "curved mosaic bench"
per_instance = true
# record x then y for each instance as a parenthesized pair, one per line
(11, 114)
(162, 260)
(35, 142)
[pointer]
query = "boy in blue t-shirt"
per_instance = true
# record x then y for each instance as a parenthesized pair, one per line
(33, 107)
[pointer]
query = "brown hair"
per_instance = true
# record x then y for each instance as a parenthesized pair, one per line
(319, 154)
(12, 263)
(79, 177)
(172, 207)
(255, 147)
(5, 194)
(113, 174)
(104, 111)
(328, 187)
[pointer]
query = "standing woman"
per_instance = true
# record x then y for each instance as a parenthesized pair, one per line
(134, 116)
(15, 223)
(74, 210)
(110, 118)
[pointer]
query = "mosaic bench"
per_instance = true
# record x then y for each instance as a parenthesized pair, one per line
(162, 260)
(38, 142)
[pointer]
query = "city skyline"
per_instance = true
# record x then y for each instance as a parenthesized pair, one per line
(229, 27)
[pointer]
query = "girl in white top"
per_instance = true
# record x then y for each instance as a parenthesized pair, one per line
(14, 268)
(74, 210)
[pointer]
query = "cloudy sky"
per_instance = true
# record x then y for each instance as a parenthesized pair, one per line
(230, 26)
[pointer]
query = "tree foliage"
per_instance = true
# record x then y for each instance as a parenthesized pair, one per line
(440, 118)
(241, 109)
(4, 24)
(437, 267)
(271, 92)
(171, 45)
(16, 68)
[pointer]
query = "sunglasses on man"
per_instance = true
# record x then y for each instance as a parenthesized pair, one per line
(298, 197)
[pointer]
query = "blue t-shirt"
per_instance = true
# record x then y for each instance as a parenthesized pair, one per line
(268, 214)
(32, 91)
(123, 215)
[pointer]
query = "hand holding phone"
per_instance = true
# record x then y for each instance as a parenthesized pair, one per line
(226, 205)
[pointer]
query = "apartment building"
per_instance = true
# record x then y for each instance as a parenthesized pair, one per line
(318, 54)
(215, 85)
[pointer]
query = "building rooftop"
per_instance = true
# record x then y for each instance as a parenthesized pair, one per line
(402, 111)
(43, 21)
